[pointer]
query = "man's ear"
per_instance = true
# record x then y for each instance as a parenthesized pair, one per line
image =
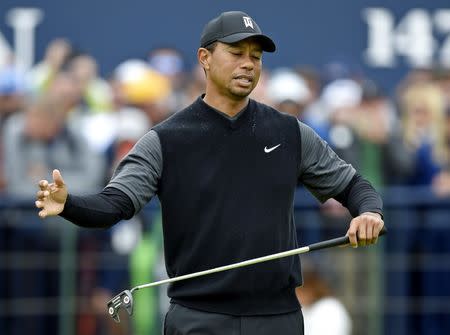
(203, 58)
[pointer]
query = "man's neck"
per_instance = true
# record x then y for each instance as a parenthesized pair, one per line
(225, 104)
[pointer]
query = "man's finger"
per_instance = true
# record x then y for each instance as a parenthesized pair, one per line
(362, 233)
(376, 231)
(57, 178)
(351, 233)
(39, 204)
(378, 228)
(43, 184)
(371, 234)
(40, 195)
(43, 214)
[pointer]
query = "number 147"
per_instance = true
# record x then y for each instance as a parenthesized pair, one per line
(412, 37)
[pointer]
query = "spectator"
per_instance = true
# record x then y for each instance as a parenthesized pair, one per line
(132, 125)
(65, 88)
(144, 88)
(340, 100)
(415, 76)
(98, 129)
(95, 91)
(195, 85)
(442, 79)
(288, 92)
(312, 78)
(375, 109)
(353, 110)
(322, 312)
(56, 54)
(170, 63)
(39, 137)
(423, 119)
(441, 182)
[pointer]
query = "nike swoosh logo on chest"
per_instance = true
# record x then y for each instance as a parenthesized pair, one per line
(267, 150)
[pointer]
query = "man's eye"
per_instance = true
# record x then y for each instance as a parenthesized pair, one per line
(256, 56)
(235, 52)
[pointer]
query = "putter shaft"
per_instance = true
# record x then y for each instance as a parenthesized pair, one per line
(226, 267)
(340, 241)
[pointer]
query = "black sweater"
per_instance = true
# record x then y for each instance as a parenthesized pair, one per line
(227, 196)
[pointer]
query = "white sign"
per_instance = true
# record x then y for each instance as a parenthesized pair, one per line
(23, 21)
(414, 37)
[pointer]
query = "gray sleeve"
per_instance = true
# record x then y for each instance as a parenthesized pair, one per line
(138, 174)
(322, 172)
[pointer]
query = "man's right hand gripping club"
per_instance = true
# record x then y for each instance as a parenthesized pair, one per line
(51, 197)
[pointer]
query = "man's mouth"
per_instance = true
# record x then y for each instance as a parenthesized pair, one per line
(244, 79)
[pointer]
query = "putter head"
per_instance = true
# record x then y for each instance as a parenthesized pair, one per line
(123, 299)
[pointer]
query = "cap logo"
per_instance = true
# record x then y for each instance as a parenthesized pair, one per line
(248, 22)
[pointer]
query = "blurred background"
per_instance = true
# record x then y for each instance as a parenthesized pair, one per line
(81, 82)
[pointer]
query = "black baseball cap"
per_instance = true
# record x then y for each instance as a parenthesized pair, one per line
(231, 27)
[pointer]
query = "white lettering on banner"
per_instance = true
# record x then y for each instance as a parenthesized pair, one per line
(380, 50)
(442, 21)
(412, 37)
(24, 22)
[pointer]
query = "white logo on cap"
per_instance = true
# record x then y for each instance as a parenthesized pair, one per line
(248, 22)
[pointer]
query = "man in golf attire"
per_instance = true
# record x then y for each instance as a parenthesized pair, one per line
(225, 170)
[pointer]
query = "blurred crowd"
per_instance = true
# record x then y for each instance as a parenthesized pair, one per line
(63, 114)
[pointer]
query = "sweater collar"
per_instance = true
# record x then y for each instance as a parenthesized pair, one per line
(233, 122)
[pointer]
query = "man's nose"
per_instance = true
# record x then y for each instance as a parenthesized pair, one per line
(247, 62)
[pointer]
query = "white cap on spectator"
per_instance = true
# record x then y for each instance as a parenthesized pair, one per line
(102, 129)
(141, 84)
(286, 85)
(131, 70)
(132, 124)
(341, 93)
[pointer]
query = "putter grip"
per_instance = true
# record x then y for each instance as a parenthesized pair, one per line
(337, 242)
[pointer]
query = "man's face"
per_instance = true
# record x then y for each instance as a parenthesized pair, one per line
(233, 70)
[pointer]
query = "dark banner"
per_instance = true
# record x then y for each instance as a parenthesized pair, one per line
(380, 38)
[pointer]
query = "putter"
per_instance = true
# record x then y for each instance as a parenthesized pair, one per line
(125, 298)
